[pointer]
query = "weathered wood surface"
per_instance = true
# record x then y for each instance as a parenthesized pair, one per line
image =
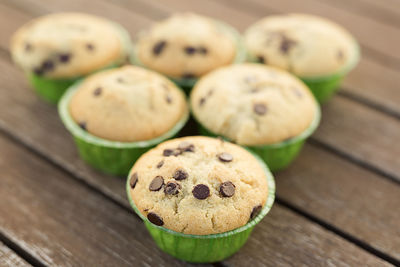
(355, 199)
(9, 258)
(83, 228)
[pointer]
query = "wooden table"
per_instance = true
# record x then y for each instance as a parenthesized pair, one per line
(338, 204)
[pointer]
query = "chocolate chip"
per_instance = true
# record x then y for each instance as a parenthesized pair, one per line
(28, 47)
(260, 109)
(168, 152)
(186, 147)
(225, 157)
(261, 59)
(340, 55)
(172, 188)
(120, 80)
(202, 101)
(159, 47)
(97, 91)
(38, 71)
(134, 180)
(157, 183)
(64, 58)
(227, 189)
(202, 50)
(256, 210)
(83, 125)
(89, 46)
(286, 45)
(47, 65)
(190, 50)
(155, 219)
(180, 174)
(201, 191)
(188, 76)
(168, 98)
(160, 164)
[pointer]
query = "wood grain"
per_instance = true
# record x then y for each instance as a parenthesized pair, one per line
(9, 258)
(63, 223)
(71, 225)
(39, 118)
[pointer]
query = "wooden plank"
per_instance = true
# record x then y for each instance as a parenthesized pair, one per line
(368, 136)
(385, 11)
(9, 258)
(64, 153)
(350, 198)
(62, 223)
(82, 228)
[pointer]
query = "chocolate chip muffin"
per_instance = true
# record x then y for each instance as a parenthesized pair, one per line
(186, 46)
(253, 104)
(198, 185)
(127, 104)
(68, 45)
(306, 45)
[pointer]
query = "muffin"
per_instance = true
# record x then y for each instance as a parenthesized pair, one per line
(318, 51)
(194, 189)
(186, 46)
(116, 115)
(266, 109)
(57, 49)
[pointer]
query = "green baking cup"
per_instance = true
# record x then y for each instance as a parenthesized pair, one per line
(324, 87)
(205, 248)
(51, 90)
(187, 83)
(279, 155)
(111, 157)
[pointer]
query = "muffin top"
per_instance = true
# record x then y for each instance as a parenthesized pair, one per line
(66, 45)
(186, 46)
(127, 104)
(198, 185)
(308, 46)
(253, 104)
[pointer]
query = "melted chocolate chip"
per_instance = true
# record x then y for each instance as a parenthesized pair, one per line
(202, 50)
(134, 180)
(159, 47)
(168, 98)
(168, 152)
(186, 147)
(89, 46)
(188, 76)
(157, 183)
(190, 50)
(225, 157)
(172, 188)
(201, 191)
(227, 189)
(180, 174)
(47, 65)
(286, 45)
(160, 164)
(261, 59)
(64, 58)
(155, 219)
(97, 91)
(202, 101)
(260, 109)
(83, 125)
(28, 47)
(255, 211)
